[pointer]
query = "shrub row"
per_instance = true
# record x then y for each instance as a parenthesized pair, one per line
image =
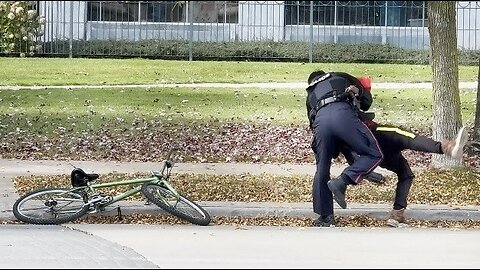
(264, 51)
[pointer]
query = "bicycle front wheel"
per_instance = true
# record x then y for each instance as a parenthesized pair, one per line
(181, 207)
(50, 206)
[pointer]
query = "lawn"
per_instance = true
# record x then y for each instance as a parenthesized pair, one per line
(41, 111)
(77, 71)
(210, 124)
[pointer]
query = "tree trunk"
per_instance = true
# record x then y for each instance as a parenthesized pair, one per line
(447, 118)
(476, 129)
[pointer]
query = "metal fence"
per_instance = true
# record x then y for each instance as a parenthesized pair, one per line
(121, 28)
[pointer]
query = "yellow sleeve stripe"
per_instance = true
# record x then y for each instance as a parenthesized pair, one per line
(397, 130)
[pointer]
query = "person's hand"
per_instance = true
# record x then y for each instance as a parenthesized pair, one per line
(353, 89)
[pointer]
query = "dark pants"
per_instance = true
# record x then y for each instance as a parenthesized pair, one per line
(393, 141)
(335, 124)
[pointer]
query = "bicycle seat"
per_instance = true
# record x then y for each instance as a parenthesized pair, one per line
(80, 178)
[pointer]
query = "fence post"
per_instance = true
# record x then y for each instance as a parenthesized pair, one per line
(310, 53)
(335, 22)
(385, 29)
(70, 52)
(190, 33)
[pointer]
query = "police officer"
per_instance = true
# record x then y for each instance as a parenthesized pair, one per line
(334, 120)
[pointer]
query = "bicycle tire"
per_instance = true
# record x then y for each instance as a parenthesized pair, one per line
(183, 208)
(48, 206)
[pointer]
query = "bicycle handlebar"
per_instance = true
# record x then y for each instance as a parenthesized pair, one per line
(168, 160)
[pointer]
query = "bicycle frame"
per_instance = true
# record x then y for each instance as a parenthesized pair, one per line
(159, 178)
(155, 179)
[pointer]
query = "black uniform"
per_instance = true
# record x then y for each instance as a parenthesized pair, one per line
(334, 121)
(393, 141)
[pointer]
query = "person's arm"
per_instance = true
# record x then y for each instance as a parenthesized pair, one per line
(308, 114)
(364, 97)
(365, 100)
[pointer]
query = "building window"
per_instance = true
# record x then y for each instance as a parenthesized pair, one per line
(214, 11)
(365, 13)
(406, 13)
(131, 11)
(298, 12)
(163, 11)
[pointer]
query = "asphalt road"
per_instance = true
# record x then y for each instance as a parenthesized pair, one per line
(224, 247)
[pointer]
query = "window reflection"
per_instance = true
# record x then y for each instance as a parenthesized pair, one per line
(364, 13)
(163, 11)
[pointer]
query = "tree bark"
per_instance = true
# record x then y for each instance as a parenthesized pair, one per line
(476, 129)
(447, 118)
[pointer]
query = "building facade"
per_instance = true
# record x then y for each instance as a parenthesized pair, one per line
(399, 23)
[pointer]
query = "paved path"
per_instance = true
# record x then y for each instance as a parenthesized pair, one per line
(272, 85)
(57, 247)
(276, 247)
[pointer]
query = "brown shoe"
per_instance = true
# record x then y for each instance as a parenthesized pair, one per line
(397, 219)
(454, 148)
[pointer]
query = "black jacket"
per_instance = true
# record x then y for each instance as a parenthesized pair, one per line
(334, 83)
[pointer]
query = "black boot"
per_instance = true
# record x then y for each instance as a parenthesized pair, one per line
(375, 178)
(338, 186)
(324, 221)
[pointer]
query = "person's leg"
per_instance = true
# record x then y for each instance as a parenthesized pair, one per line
(407, 140)
(348, 128)
(360, 139)
(395, 162)
(324, 146)
(403, 139)
(351, 156)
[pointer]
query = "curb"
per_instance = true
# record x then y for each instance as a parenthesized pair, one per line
(293, 210)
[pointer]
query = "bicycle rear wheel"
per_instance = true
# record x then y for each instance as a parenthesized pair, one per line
(50, 206)
(182, 207)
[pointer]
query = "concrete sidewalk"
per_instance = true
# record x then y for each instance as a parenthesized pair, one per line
(12, 168)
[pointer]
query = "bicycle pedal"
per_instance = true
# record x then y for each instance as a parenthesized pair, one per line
(97, 209)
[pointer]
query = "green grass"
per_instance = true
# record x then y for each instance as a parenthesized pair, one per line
(413, 108)
(64, 71)
(42, 111)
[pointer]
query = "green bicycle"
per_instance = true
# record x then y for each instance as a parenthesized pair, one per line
(61, 205)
